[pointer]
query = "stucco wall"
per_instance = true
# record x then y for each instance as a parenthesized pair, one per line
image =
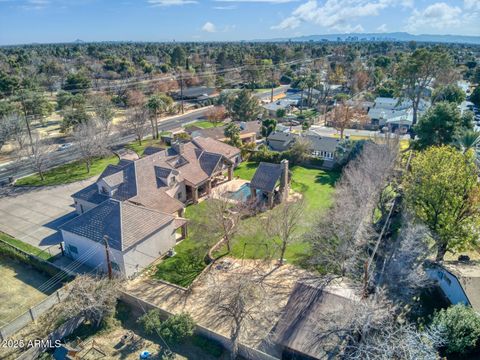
(144, 253)
(90, 252)
(178, 188)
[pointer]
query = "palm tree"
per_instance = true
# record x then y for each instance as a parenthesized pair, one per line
(158, 104)
(468, 140)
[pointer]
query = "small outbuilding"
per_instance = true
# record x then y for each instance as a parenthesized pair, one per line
(271, 181)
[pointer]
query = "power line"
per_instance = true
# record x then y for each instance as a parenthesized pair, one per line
(182, 76)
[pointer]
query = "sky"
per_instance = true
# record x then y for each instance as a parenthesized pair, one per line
(47, 21)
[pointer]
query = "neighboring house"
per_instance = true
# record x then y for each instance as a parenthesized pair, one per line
(195, 94)
(303, 331)
(395, 113)
(282, 104)
(280, 141)
(249, 131)
(325, 148)
(156, 187)
(459, 281)
(270, 182)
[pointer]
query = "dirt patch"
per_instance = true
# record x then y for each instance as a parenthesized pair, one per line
(279, 285)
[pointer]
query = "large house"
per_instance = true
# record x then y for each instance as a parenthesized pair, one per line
(249, 131)
(136, 207)
(394, 112)
(325, 148)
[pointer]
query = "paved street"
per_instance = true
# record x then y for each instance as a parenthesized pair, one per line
(62, 157)
(34, 215)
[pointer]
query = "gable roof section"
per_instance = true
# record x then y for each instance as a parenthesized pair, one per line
(124, 223)
(90, 194)
(266, 176)
(215, 146)
(323, 143)
(209, 162)
(308, 316)
(149, 150)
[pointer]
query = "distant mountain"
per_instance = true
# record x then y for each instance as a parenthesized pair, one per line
(394, 36)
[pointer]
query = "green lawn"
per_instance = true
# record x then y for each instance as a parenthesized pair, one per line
(317, 188)
(185, 266)
(24, 246)
(68, 173)
(205, 124)
(139, 149)
(316, 185)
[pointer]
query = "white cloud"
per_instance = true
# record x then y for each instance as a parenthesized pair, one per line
(440, 16)
(170, 2)
(335, 15)
(209, 27)
(258, 1)
(471, 4)
(382, 28)
(227, 7)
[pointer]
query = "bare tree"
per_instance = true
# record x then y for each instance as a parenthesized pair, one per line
(37, 154)
(339, 241)
(104, 110)
(284, 223)
(216, 115)
(345, 114)
(223, 217)
(9, 125)
(91, 297)
(92, 141)
(242, 301)
(402, 273)
(136, 122)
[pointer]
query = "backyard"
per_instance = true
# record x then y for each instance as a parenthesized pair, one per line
(316, 187)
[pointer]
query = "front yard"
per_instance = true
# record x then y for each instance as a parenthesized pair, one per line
(68, 173)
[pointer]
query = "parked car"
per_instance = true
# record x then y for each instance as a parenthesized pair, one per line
(65, 146)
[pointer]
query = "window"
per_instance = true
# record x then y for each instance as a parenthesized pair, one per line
(72, 249)
(115, 266)
(104, 190)
(179, 195)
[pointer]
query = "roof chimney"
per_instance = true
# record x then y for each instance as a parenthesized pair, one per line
(178, 147)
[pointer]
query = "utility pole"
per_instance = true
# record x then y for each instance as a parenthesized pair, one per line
(181, 90)
(273, 83)
(107, 252)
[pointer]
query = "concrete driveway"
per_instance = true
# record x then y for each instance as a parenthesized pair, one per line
(33, 215)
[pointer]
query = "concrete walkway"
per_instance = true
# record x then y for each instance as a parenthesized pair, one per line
(33, 215)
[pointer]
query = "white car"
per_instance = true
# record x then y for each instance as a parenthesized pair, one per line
(65, 146)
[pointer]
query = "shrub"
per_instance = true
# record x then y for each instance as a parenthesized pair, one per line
(460, 326)
(177, 327)
(150, 321)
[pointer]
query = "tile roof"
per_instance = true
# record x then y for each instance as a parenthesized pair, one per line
(124, 223)
(141, 180)
(266, 176)
(323, 143)
(307, 320)
(149, 150)
(90, 194)
(217, 147)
